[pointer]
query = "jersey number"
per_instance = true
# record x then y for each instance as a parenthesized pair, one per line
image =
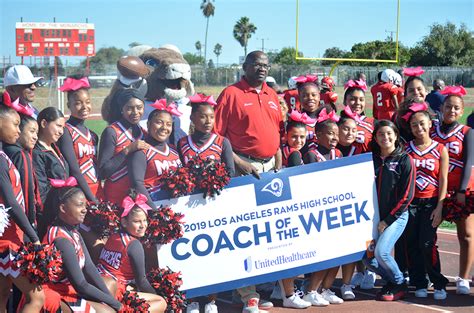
(379, 99)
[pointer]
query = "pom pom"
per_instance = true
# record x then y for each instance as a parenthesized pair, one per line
(166, 283)
(39, 263)
(453, 211)
(164, 226)
(132, 303)
(4, 219)
(103, 218)
(179, 182)
(211, 176)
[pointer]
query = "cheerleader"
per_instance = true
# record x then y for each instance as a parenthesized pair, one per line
(204, 142)
(11, 196)
(118, 140)
(354, 99)
(79, 288)
(20, 154)
(327, 134)
(395, 182)
(296, 136)
(48, 160)
(122, 260)
(459, 140)
(78, 144)
(146, 166)
(431, 161)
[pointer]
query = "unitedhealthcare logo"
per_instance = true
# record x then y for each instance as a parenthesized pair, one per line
(272, 189)
(248, 264)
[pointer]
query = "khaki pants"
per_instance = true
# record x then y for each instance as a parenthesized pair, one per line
(261, 167)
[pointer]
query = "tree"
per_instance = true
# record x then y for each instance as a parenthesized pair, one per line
(103, 57)
(334, 52)
(243, 30)
(207, 10)
(287, 56)
(198, 47)
(445, 45)
(382, 50)
(217, 52)
(193, 59)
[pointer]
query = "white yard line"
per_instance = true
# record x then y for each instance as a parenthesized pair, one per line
(448, 252)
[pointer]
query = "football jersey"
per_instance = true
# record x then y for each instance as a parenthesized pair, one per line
(383, 106)
(85, 149)
(117, 185)
(365, 128)
(114, 260)
(12, 237)
(427, 163)
(453, 141)
(292, 99)
(211, 149)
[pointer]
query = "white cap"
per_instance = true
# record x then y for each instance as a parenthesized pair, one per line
(270, 79)
(388, 75)
(19, 75)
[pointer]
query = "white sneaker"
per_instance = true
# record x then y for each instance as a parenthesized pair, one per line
(331, 297)
(462, 286)
(193, 307)
(369, 280)
(421, 293)
(440, 294)
(357, 279)
(347, 293)
(295, 302)
(315, 299)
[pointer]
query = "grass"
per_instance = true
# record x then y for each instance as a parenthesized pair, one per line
(447, 225)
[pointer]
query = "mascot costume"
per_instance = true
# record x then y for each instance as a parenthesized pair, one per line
(158, 73)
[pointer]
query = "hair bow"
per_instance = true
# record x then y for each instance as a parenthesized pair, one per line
(59, 183)
(72, 84)
(459, 91)
(413, 71)
(356, 84)
(200, 98)
(170, 108)
(140, 201)
(301, 117)
(306, 79)
(324, 116)
(353, 115)
(15, 105)
(415, 107)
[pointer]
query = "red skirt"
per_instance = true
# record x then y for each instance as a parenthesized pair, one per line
(68, 295)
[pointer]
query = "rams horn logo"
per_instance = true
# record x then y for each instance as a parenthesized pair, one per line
(274, 187)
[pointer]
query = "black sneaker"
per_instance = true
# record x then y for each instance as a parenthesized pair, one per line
(395, 293)
(386, 288)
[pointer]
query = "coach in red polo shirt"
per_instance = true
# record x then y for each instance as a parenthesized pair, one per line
(248, 113)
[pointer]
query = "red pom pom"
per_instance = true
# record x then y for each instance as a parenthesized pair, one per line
(211, 176)
(164, 226)
(103, 218)
(166, 283)
(454, 211)
(132, 303)
(40, 263)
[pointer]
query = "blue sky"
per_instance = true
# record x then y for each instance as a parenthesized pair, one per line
(323, 23)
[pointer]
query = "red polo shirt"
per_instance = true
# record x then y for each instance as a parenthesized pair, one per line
(251, 120)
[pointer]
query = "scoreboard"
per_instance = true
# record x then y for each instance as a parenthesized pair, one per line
(55, 39)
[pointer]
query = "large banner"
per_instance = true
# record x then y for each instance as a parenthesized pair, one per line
(299, 220)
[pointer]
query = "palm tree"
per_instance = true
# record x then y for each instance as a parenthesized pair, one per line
(207, 10)
(198, 47)
(217, 52)
(243, 30)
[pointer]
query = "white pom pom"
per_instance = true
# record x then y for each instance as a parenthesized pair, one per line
(4, 219)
